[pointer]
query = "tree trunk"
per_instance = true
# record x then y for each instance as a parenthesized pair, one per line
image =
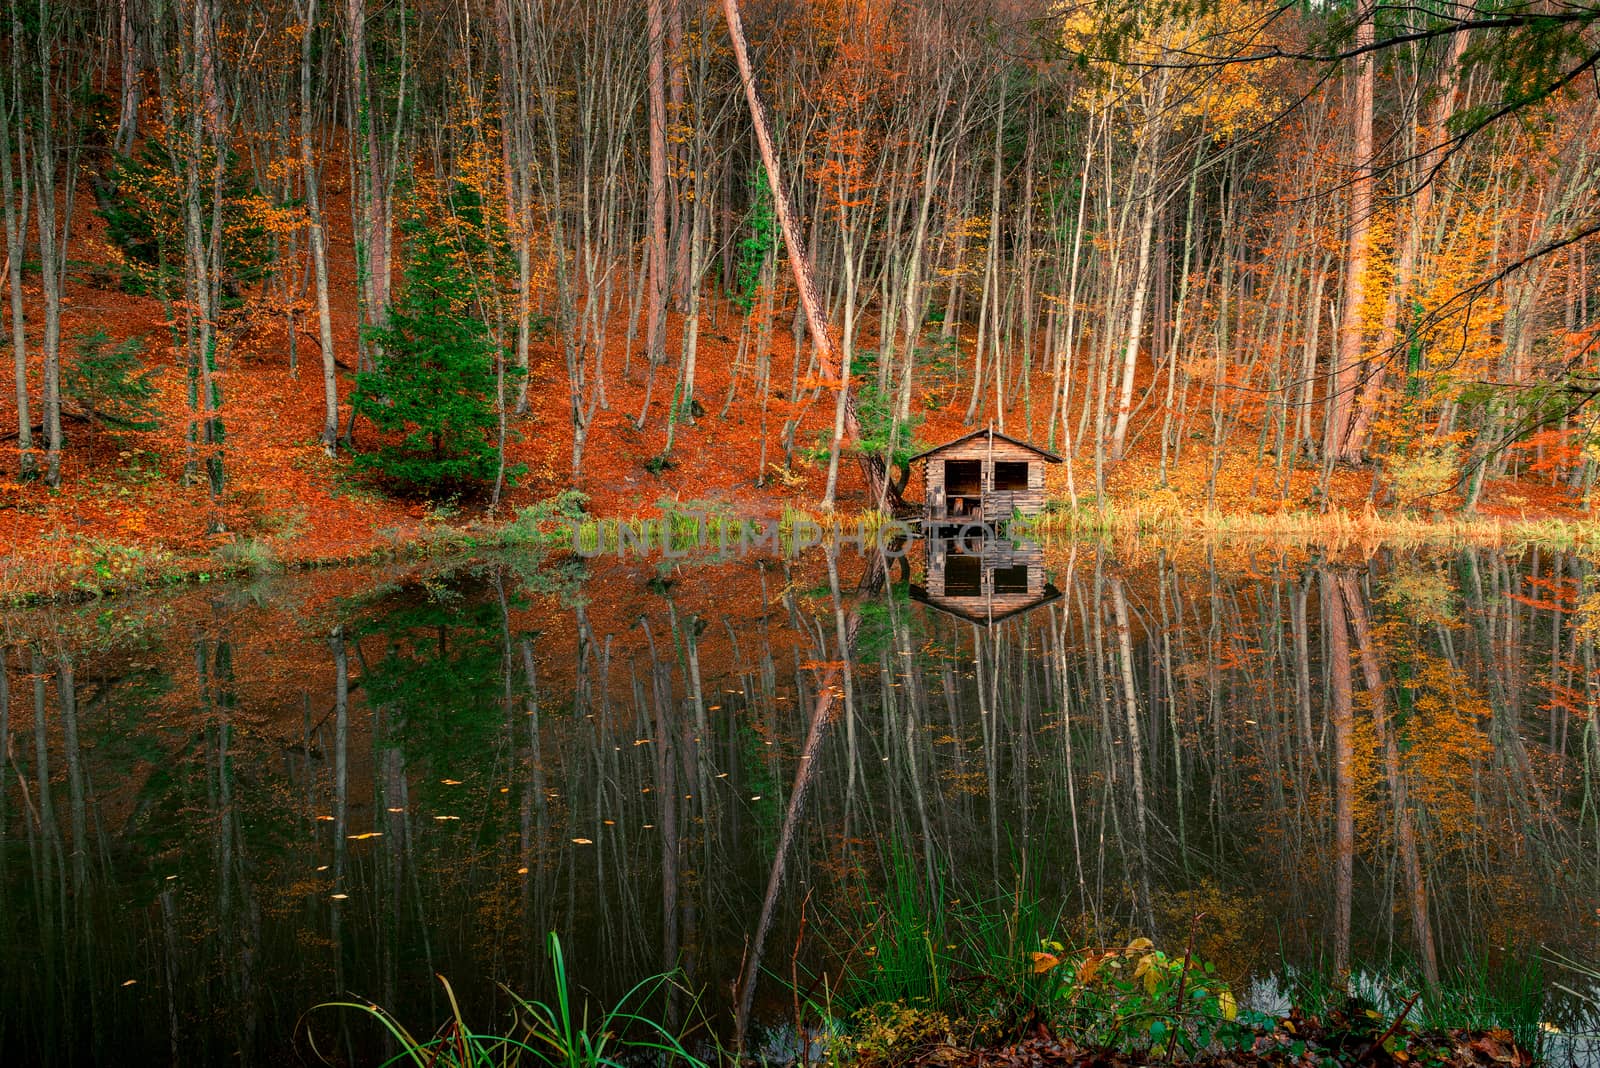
(319, 246)
(1344, 823)
(1141, 278)
(1405, 825)
(1389, 346)
(1342, 447)
(656, 324)
(14, 194)
(830, 494)
(54, 225)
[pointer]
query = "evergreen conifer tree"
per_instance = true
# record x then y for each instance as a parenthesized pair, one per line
(433, 376)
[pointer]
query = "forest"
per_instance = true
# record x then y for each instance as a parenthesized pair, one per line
(1263, 735)
(313, 278)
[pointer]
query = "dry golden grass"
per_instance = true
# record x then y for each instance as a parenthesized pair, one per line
(1335, 530)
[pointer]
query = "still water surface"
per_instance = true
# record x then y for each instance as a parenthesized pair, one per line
(221, 807)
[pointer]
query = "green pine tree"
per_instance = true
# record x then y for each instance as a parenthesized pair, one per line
(113, 384)
(431, 392)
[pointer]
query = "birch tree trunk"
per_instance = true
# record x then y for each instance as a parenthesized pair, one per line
(319, 240)
(53, 224)
(656, 324)
(14, 195)
(1153, 135)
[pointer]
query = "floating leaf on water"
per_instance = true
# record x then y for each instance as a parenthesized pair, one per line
(451, 782)
(322, 867)
(583, 841)
(339, 897)
(328, 819)
(609, 823)
(363, 836)
(457, 818)
(397, 810)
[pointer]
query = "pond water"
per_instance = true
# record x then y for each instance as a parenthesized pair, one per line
(222, 806)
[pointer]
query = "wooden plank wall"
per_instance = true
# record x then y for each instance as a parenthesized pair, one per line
(997, 504)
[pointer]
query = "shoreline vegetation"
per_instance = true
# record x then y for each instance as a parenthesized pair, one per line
(75, 568)
(1000, 995)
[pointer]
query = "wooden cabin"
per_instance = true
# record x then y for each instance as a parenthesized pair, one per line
(984, 476)
(984, 580)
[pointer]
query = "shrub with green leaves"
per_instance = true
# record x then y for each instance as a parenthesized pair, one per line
(1136, 996)
(875, 411)
(757, 245)
(549, 522)
(1420, 479)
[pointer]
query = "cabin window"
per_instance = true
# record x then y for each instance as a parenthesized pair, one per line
(962, 478)
(963, 576)
(1012, 579)
(1010, 475)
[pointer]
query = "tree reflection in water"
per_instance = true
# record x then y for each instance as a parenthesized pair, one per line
(220, 809)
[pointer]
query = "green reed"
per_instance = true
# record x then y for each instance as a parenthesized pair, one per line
(563, 1033)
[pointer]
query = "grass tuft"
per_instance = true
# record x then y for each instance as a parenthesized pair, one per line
(562, 1034)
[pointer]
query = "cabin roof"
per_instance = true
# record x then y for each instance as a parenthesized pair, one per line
(1044, 454)
(978, 609)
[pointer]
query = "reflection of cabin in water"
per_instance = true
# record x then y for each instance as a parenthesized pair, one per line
(984, 580)
(983, 476)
